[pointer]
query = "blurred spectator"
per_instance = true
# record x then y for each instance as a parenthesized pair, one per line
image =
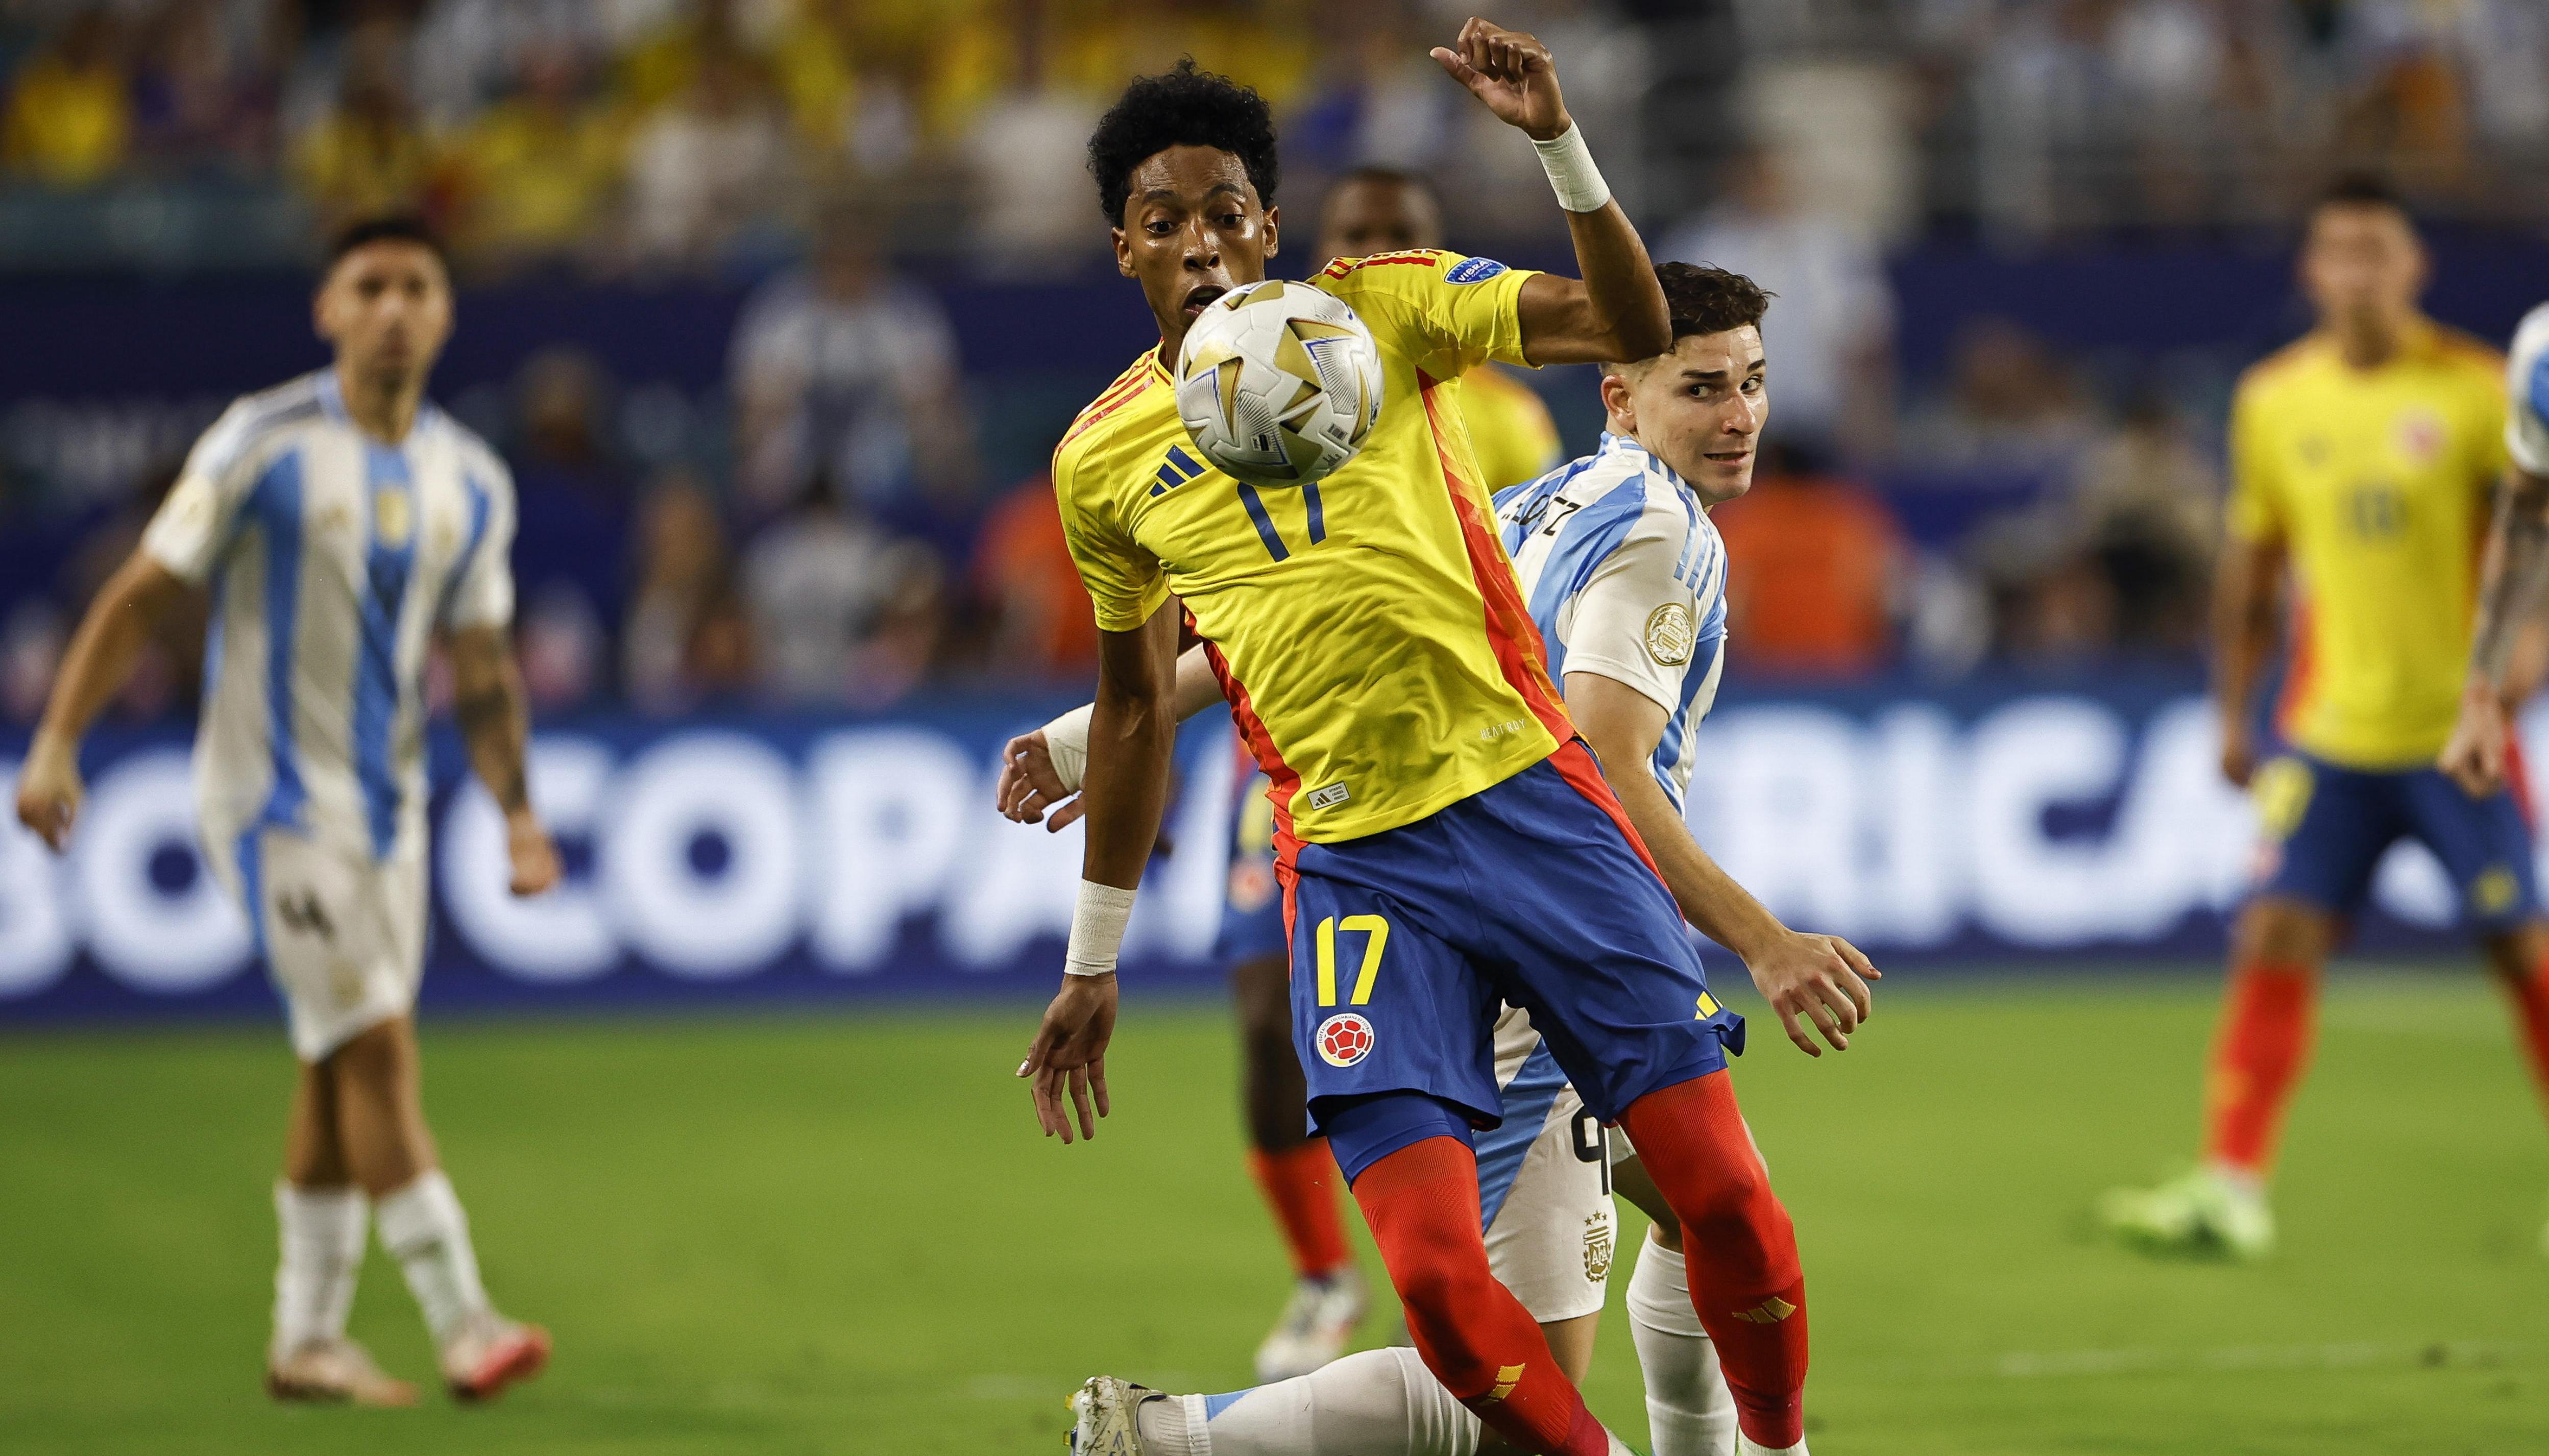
(70, 122)
(367, 155)
(823, 583)
(1829, 332)
(1815, 565)
(1026, 152)
(687, 640)
(1042, 627)
(572, 544)
(534, 172)
(2010, 405)
(199, 95)
(2147, 506)
(842, 369)
(706, 166)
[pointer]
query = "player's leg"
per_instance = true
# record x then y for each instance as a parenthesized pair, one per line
(323, 1221)
(2485, 848)
(2324, 831)
(1393, 1025)
(1293, 1170)
(1378, 1403)
(1690, 1410)
(1580, 930)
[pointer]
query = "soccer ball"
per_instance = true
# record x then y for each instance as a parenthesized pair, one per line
(1278, 383)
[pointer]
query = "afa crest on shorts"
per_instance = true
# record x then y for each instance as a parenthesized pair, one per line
(1344, 1040)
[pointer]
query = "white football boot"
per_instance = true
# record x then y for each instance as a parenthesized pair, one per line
(1744, 1447)
(491, 1352)
(1102, 1416)
(333, 1370)
(1315, 1328)
(2205, 1211)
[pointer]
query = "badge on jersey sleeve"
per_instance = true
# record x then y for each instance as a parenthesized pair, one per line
(1671, 634)
(1472, 270)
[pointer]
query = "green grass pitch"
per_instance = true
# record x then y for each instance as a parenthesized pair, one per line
(838, 1233)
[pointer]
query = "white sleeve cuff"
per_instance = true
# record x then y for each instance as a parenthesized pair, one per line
(1569, 165)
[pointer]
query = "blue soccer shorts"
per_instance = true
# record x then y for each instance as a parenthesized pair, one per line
(2326, 827)
(1536, 892)
(1252, 914)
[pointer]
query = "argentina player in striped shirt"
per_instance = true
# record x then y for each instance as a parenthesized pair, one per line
(1626, 579)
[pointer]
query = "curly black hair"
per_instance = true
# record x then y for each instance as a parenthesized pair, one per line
(1705, 300)
(1182, 107)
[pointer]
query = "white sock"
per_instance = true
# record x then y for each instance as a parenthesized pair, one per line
(323, 1252)
(1750, 1449)
(424, 1229)
(1379, 1402)
(1690, 1410)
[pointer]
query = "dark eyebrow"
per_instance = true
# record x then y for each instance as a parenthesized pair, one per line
(1169, 194)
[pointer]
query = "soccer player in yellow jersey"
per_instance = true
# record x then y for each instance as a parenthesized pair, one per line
(1369, 211)
(1444, 842)
(2362, 461)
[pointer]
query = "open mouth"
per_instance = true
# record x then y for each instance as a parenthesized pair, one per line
(1731, 457)
(1201, 298)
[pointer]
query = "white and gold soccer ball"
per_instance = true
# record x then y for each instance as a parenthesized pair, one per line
(1278, 383)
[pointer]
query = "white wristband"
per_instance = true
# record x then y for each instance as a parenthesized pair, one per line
(1569, 163)
(1066, 742)
(1096, 929)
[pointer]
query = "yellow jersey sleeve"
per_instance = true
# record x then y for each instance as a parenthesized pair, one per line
(1124, 580)
(2256, 508)
(1444, 312)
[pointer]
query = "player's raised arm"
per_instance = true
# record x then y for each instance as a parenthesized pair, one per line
(128, 609)
(1616, 312)
(1132, 729)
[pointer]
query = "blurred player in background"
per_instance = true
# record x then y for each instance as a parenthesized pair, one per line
(1385, 670)
(2504, 660)
(343, 525)
(2363, 457)
(1374, 210)
(1626, 579)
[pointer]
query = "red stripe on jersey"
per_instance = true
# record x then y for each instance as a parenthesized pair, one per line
(1427, 257)
(1576, 765)
(2296, 672)
(1116, 397)
(1509, 626)
(1251, 731)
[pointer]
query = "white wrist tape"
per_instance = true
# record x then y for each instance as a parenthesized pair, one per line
(1096, 929)
(1569, 165)
(1066, 742)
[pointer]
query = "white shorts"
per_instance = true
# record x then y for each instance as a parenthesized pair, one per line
(343, 933)
(1553, 1238)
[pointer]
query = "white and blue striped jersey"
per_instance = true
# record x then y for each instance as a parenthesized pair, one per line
(1626, 578)
(2526, 395)
(331, 558)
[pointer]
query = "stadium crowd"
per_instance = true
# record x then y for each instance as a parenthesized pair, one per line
(849, 536)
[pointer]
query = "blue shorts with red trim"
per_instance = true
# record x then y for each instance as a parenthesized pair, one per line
(1252, 913)
(1534, 892)
(2326, 827)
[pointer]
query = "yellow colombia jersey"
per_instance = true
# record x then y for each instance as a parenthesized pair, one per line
(2378, 482)
(1509, 428)
(1367, 630)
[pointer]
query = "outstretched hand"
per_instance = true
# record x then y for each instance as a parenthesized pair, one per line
(1821, 980)
(1512, 73)
(1029, 785)
(1069, 1053)
(49, 793)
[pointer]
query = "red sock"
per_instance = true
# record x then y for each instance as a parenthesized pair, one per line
(1743, 1251)
(2531, 1005)
(2258, 1054)
(1422, 1203)
(1299, 1184)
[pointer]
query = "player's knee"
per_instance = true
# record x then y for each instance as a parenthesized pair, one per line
(2280, 932)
